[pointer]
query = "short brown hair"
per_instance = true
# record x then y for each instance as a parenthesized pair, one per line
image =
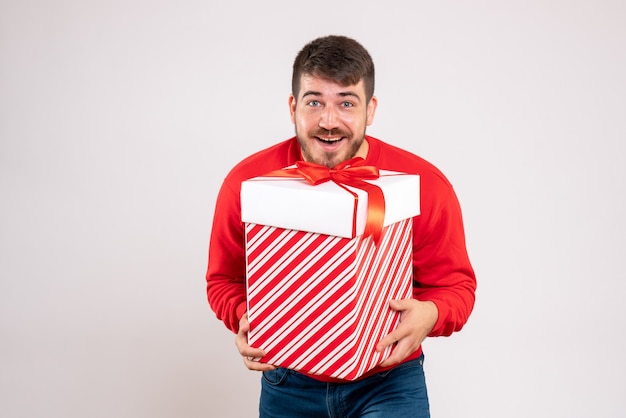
(337, 58)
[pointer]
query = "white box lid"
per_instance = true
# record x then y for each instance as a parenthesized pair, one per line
(326, 208)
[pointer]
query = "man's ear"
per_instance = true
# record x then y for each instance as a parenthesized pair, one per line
(371, 110)
(292, 108)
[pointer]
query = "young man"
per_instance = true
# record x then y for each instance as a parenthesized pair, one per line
(331, 105)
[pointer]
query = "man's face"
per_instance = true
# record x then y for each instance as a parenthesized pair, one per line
(330, 120)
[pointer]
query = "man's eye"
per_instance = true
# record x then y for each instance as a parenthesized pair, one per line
(314, 103)
(347, 104)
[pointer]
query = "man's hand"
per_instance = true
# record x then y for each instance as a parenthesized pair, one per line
(247, 352)
(417, 319)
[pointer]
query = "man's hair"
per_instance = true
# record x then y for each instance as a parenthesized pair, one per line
(336, 58)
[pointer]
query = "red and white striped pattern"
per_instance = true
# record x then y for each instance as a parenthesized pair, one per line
(319, 303)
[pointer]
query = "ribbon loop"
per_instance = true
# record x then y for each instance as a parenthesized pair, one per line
(350, 173)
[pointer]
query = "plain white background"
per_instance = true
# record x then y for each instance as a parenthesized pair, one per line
(119, 120)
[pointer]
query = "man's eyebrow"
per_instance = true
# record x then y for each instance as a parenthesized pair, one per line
(311, 93)
(350, 94)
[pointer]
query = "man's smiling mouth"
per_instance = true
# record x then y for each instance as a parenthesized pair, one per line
(330, 140)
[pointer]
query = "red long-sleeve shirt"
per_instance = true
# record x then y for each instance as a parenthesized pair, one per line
(442, 272)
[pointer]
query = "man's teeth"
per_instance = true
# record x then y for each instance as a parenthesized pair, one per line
(330, 140)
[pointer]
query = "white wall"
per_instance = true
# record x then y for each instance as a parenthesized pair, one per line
(119, 119)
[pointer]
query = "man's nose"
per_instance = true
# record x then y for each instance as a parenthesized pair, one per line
(329, 118)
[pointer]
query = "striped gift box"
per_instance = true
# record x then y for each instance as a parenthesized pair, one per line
(319, 302)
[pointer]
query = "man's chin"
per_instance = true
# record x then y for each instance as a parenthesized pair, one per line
(331, 161)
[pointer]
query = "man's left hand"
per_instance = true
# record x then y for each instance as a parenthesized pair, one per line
(417, 319)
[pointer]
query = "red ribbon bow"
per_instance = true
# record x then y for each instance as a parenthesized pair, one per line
(349, 173)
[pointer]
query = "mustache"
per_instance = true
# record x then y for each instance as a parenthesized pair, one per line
(330, 132)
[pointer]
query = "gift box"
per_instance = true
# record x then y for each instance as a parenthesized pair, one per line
(318, 288)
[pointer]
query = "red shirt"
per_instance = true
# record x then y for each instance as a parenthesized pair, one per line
(442, 272)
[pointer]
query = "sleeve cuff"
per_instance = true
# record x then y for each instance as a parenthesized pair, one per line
(240, 311)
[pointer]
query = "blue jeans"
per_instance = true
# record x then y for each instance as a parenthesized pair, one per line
(399, 392)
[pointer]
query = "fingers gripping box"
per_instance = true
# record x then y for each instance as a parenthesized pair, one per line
(318, 290)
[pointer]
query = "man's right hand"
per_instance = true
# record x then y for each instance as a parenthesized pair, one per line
(247, 352)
